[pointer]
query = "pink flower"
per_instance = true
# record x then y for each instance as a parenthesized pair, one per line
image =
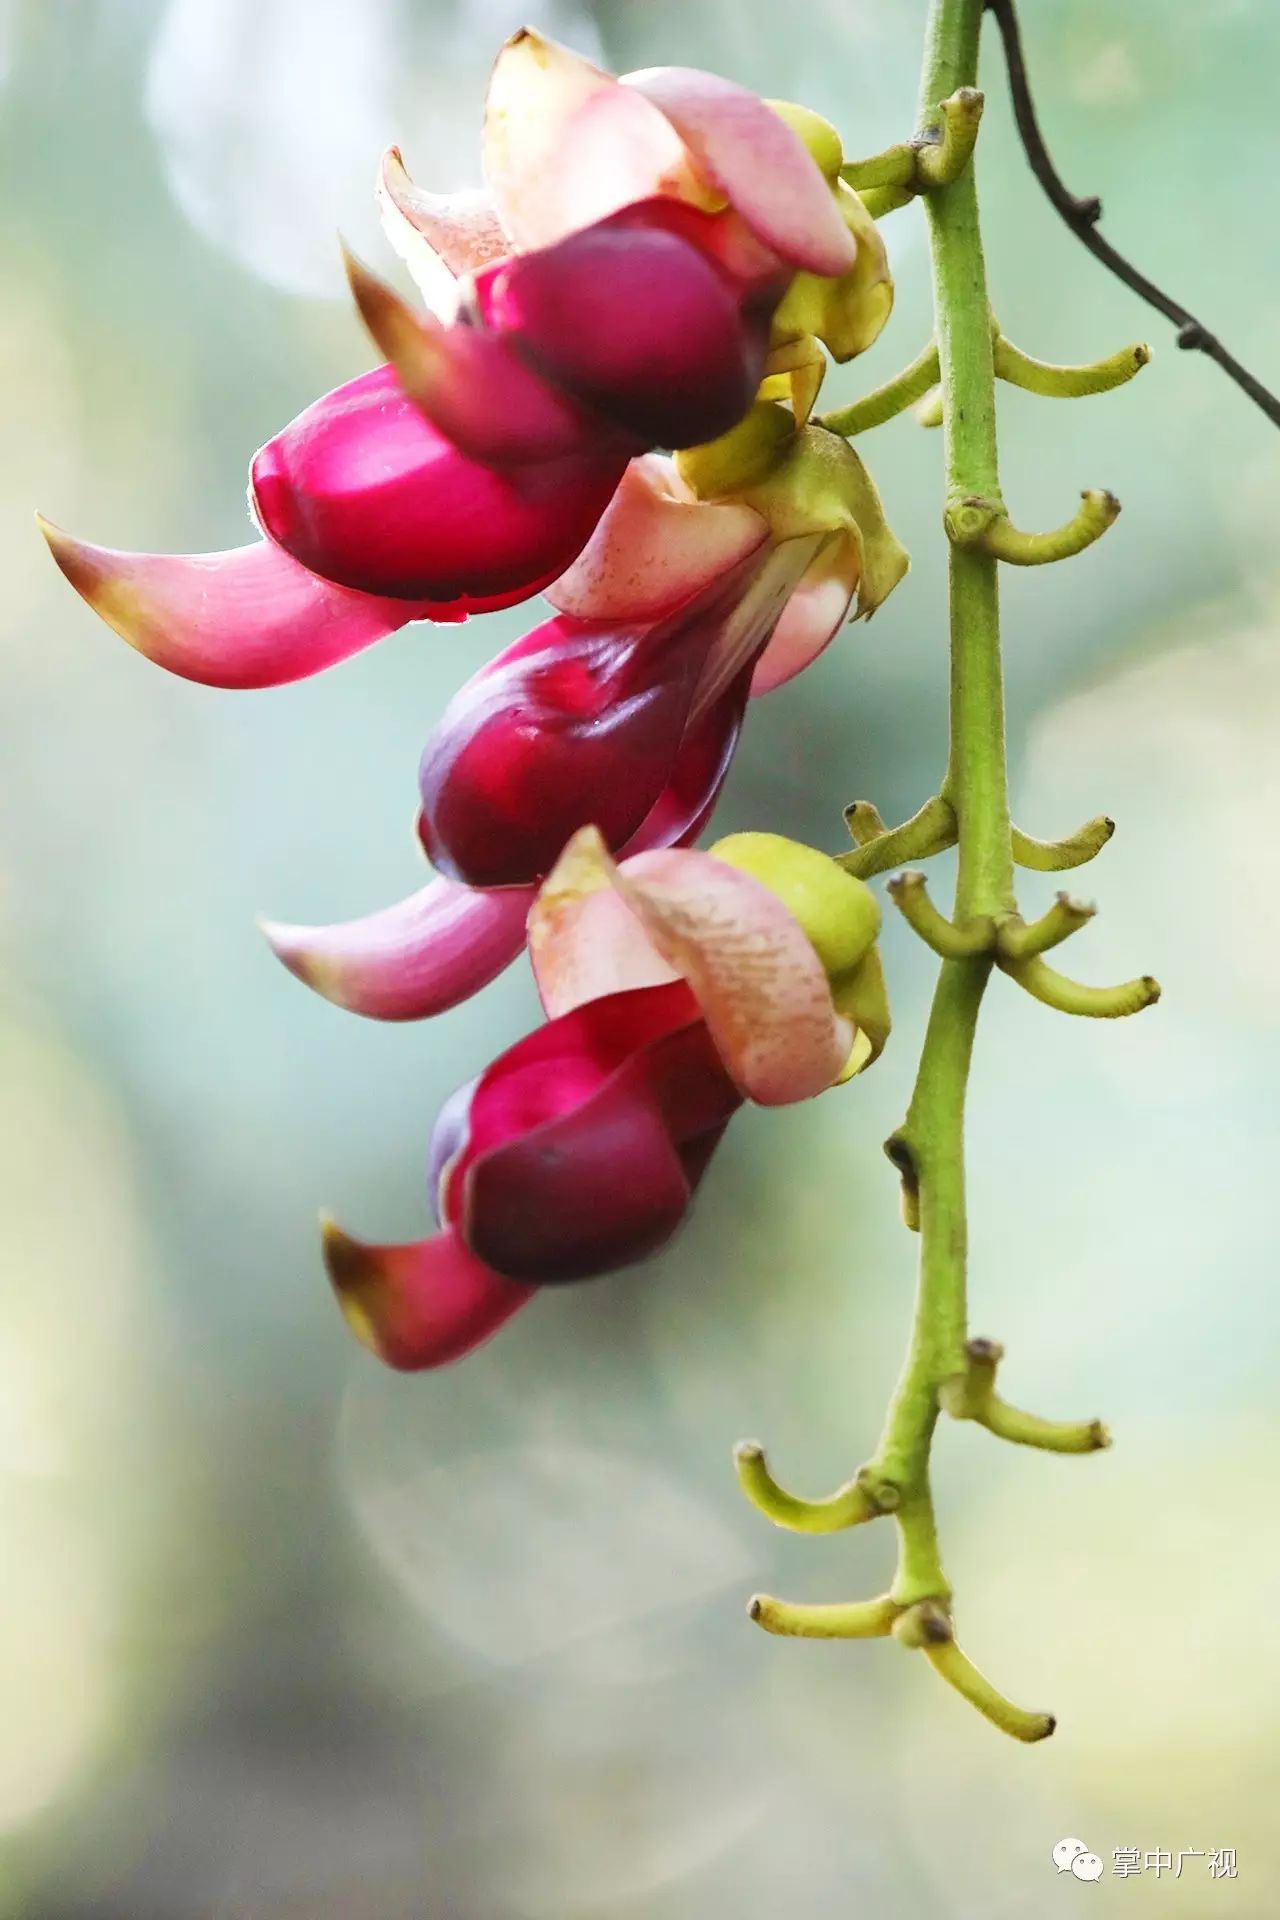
(616, 292)
(373, 517)
(678, 985)
(566, 145)
(584, 719)
(622, 712)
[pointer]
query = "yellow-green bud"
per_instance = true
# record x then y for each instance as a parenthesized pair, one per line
(838, 912)
(817, 134)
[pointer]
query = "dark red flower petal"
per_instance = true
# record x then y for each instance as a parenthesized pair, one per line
(635, 316)
(584, 1141)
(421, 1304)
(363, 490)
(578, 723)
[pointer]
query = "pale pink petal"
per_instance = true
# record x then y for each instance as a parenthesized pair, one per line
(762, 168)
(584, 940)
(421, 1304)
(411, 960)
(755, 974)
(811, 618)
(565, 144)
(439, 236)
(760, 984)
(654, 548)
(750, 622)
(251, 617)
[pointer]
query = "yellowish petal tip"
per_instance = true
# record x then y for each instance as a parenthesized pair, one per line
(343, 1257)
(584, 866)
(81, 564)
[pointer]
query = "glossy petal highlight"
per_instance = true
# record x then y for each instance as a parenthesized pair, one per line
(418, 1305)
(362, 489)
(634, 316)
(250, 617)
(411, 960)
(578, 721)
(571, 1159)
(472, 385)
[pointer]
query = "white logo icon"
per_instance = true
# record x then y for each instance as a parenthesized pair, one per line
(1072, 1856)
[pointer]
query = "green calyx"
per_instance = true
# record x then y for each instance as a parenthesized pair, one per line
(818, 484)
(846, 314)
(740, 458)
(841, 917)
(801, 481)
(838, 912)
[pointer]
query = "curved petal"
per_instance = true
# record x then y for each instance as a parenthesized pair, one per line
(408, 961)
(600, 1187)
(761, 986)
(421, 1304)
(749, 154)
(472, 385)
(578, 721)
(753, 619)
(688, 800)
(654, 547)
(251, 617)
(634, 316)
(847, 314)
(438, 235)
(568, 1161)
(362, 489)
(812, 616)
(565, 144)
(584, 940)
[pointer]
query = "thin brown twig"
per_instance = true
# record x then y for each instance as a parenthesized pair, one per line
(1082, 213)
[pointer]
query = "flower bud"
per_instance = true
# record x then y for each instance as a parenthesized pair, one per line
(838, 912)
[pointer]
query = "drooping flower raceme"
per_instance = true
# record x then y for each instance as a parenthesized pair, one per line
(679, 984)
(658, 262)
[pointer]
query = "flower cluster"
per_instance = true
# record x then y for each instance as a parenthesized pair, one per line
(606, 399)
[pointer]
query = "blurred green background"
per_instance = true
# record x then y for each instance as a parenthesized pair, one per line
(283, 1635)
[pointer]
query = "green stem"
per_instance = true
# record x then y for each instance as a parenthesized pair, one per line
(930, 1147)
(894, 397)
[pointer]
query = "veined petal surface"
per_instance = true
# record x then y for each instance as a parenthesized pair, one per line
(749, 155)
(439, 236)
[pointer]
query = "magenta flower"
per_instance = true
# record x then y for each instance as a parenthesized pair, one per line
(622, 712)
(678, 985)
(589, 311)
(654, 264)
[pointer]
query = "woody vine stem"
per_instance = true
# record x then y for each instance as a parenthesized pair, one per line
(945, 1370)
